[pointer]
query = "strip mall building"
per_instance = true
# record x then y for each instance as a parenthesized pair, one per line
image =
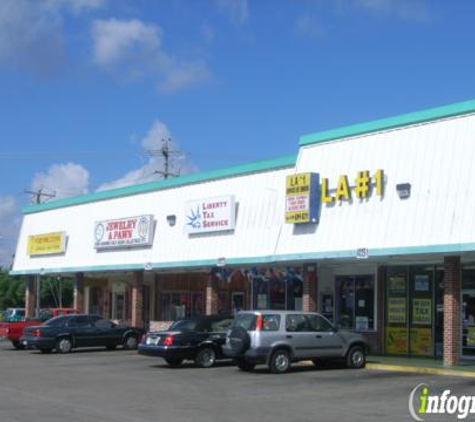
(373, 225)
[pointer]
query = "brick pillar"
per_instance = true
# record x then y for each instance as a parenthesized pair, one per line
(452, 316)
(310, 282)
(212, 295)
(30, 297)
(137, 300)
(79, 293)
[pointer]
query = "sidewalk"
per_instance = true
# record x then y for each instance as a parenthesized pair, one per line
(420, 366)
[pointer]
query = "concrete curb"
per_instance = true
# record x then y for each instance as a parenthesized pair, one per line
(421, 370)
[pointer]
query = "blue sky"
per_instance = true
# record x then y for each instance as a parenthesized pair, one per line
(88, 86)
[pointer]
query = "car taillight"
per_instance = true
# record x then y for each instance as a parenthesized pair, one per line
(258, 322)
(36, 333)
(168, 341)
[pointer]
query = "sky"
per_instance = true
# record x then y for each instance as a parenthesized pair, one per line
(89, 89)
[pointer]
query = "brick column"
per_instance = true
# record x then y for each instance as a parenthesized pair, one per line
(137, 300)
(212, 295)
(79, 293)
(452, 316)
(30, 297)
(310, 289)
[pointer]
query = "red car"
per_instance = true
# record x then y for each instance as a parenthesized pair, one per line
(14, 330)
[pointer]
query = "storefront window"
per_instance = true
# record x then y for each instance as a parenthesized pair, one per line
(355, 302)
(179, 305)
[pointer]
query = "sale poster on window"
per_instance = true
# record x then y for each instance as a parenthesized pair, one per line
(396, 310)
(421, 342)
(396, 341)
(421, 311)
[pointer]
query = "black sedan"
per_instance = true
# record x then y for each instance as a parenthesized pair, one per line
(199, 339)
(64, 333)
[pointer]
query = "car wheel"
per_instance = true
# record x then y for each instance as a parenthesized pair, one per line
(356, 358)
(244, 365)
(131, 343)
(174, 361)
(279, 362)
(45, 351)
(64, 345)
(17, 345)
(206, 357)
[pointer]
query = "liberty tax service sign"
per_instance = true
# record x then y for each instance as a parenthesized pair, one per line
(210, 215)
(124, 232)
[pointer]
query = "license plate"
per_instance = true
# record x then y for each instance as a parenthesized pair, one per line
(153, 341)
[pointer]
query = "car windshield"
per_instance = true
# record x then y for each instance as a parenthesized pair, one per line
(183, 325)
(55, 322)
(246, 321)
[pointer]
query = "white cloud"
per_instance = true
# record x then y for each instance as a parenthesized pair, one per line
(152, 168)
(31, 32)
(115, 40)
(133, 49)
(236, 10)
(64, 179)
(9, 226)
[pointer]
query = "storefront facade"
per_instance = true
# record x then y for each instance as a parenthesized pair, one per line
(371, 225)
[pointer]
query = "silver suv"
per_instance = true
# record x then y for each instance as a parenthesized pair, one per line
(278, 338)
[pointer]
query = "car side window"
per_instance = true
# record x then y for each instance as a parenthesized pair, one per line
(221, 326)
(270, 322)
(71, 322)
(103, 323)
(318, 323)
(83, 321)
(296, 323)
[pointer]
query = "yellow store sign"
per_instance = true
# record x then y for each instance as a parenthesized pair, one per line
(47, 244)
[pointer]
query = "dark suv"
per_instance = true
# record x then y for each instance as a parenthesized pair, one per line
(199, 339)
(278, 338)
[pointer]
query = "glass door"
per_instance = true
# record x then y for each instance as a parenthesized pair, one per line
(468, 323)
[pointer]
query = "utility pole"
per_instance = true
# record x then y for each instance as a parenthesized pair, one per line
(38, 194)
(36, 199)
(167, 154)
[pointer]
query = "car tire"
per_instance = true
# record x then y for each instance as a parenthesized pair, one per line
(280, 362)
(131, 342)
(17, 345)
(45, 351)
(244, 365)
(356, 358)
(64, 345)
(174, 361)
(239, 340)
(205, 357)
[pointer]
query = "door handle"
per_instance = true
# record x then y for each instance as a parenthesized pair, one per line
(318, 336)
(288, 336)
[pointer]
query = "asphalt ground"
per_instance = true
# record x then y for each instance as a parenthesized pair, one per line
(122, 386)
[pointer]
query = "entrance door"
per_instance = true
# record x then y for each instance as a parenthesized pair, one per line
(468, 323)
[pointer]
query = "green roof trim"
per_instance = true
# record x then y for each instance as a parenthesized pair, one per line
(240, 170)
(417, 117)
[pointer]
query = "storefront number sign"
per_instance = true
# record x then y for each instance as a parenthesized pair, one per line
(422, 311)
(396, 310)
(210, 215)
(47, 244)
(302, 200)
(124, 232)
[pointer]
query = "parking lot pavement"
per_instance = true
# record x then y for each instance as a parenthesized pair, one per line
(121, 386)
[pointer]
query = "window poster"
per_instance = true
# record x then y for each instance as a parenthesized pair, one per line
(396, 310)
(421, 283)
(397, 285)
